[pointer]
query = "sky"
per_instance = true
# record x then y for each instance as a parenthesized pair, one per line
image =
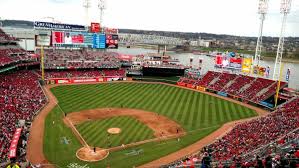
(234, 17)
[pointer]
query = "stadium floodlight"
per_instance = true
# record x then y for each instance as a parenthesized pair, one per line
(285, 10)
(102, 7)
(86, 6)
(262, 10)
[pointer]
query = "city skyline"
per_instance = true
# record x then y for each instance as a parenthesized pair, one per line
(233, 17)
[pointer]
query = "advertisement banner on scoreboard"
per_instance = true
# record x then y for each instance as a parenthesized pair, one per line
(110, 30)
(95, 27)
(57, 26)
(43, 40)
(246, 65)
(73, 38)
(112, 41)
(57, 37)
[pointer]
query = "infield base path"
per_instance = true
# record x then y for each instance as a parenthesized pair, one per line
(162, 126)
(35, 144)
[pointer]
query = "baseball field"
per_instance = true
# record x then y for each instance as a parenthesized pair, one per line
(140, 111)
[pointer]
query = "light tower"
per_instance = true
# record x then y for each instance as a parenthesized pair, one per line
(285, 10)
(86, 6)
(102, 7)
(262, 10)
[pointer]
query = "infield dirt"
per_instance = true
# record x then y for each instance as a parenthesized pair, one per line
(35, 143)
(162, 126)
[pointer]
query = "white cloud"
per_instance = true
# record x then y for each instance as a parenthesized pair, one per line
(238, 17)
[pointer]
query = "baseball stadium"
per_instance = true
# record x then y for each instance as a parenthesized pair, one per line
(73, 96)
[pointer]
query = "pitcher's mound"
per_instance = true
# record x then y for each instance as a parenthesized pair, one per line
(87, 154)
(114, 130)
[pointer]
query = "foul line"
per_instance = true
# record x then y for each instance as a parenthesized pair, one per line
(74, 128)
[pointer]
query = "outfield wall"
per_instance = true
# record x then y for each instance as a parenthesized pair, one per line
(83, 80)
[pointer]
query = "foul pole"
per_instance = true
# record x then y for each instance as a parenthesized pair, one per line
(42, 62)
(278, 85)
(285, 10)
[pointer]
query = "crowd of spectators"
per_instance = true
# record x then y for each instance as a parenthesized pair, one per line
(268, 92)
(249, 88)
(255, 87)
(10, 52)
(224, 78)
(83, 58)
(270, 141)
(207, 78)
(90, 73)
(20, 99)
(239, 82)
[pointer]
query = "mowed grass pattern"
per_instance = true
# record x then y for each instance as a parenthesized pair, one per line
(191, 109)
(95, 132)
(198, 113)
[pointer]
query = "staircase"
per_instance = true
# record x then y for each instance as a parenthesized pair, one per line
(229, 83)
(245, 87)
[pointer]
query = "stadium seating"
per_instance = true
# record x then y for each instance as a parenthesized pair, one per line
(224, 78)
(210, 75)
(73, 59)
(10, 52)
(251, 143)
(268, 92)
(239, 82)
(83, 73)
(4, 37)
(20, 98)
(256, 133)
(256, 86)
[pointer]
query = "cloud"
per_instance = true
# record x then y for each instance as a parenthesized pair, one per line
(214, 16)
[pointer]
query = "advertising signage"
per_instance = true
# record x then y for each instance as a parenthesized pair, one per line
(95, 27)
(58, 26)
(58, 37)
(83, 39)
(110, 30)
(235, 63)
(112, 41)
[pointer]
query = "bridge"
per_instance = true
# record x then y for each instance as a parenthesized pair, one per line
(132, 39)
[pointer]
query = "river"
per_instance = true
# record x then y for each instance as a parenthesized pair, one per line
(208, 63)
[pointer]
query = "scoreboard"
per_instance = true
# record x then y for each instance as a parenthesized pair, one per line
(84, 39)
(112, 41)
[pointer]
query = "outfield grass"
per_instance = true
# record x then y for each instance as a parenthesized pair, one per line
(199, 114)
(95, 132)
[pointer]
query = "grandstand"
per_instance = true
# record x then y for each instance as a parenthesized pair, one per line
(22, 97)
(80, 59)
(248, 143)
(246, 88)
